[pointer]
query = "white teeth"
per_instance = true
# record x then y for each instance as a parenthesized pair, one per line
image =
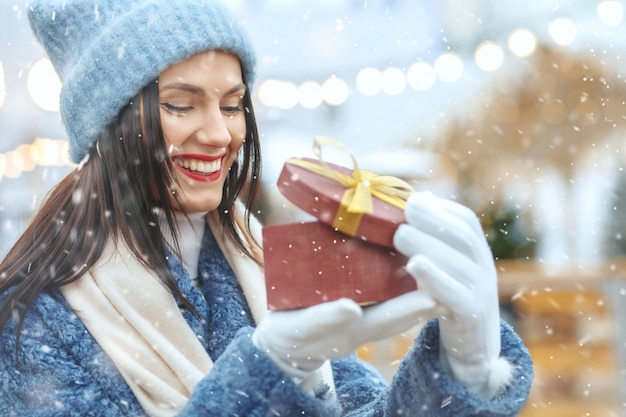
(203, 167)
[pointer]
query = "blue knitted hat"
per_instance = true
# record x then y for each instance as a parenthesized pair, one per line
(105, 51)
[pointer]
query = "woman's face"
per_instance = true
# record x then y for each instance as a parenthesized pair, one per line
(202, 118)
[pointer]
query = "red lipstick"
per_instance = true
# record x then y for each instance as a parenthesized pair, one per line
(198, 175)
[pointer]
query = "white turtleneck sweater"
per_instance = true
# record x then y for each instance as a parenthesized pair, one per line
(190, 232)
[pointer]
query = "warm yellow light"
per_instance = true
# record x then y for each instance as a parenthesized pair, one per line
(489, 56)
(47, 152)
(13, 164)
(522, 43)
(3, 165)
(27, 161)
(44, 86)
(42, 152)
(449, 67)
(421, 76)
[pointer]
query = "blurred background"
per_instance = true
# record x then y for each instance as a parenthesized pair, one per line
(515, 108)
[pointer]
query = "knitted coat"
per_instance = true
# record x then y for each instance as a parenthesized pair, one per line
(60, 370)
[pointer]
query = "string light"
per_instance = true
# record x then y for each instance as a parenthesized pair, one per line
(44, 86)
(422, 76)
(26, 157)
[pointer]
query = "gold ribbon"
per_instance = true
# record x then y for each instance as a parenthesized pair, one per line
(360, 187)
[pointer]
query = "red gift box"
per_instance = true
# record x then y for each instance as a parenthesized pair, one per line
(321, 197)
(310, 263)
(349, 251)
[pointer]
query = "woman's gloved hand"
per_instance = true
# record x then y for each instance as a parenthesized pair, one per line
(299, 341)
(451, 260)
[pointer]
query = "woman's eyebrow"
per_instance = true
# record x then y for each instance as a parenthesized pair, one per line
(198, 91)
(185, 87)
(236, 89)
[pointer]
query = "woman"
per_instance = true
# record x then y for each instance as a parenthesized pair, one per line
(137, 288)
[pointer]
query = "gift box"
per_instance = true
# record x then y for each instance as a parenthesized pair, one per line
(310, 263)
(321, 196)
(349, 251)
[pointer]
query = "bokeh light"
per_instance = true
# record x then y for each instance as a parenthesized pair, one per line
(421, 76)
(522, 43)
(26, 157)
(266, 92)
(50, 152)
(44, 85)
(369, 81)
(27, 162)
(449, 67)
(310, 95)
(394, 81)
(287, 95)
(281, 94)
(489, 56)
(562, 31)
(335, 91)
(610, 12)
(13, 164)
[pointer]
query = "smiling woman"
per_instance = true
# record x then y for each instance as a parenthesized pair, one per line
(138, 288)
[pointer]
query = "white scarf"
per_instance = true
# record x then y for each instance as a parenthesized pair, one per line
(137, 322)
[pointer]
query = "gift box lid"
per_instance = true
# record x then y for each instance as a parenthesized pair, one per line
(320, 189)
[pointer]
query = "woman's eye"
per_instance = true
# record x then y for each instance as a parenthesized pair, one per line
(232, 109)
(176, 109)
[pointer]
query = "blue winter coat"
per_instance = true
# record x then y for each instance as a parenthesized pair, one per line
(60, 370)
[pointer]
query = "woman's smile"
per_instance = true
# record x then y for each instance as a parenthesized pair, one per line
(199, 167)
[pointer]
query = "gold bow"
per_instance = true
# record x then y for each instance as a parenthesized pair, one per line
(360, 187)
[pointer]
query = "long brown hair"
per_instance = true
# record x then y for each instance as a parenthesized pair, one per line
(115, 194)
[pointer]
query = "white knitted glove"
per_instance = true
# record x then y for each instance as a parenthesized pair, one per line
(451, 260)
(299, 341)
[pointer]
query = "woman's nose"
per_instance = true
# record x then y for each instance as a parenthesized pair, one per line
(214, 130)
